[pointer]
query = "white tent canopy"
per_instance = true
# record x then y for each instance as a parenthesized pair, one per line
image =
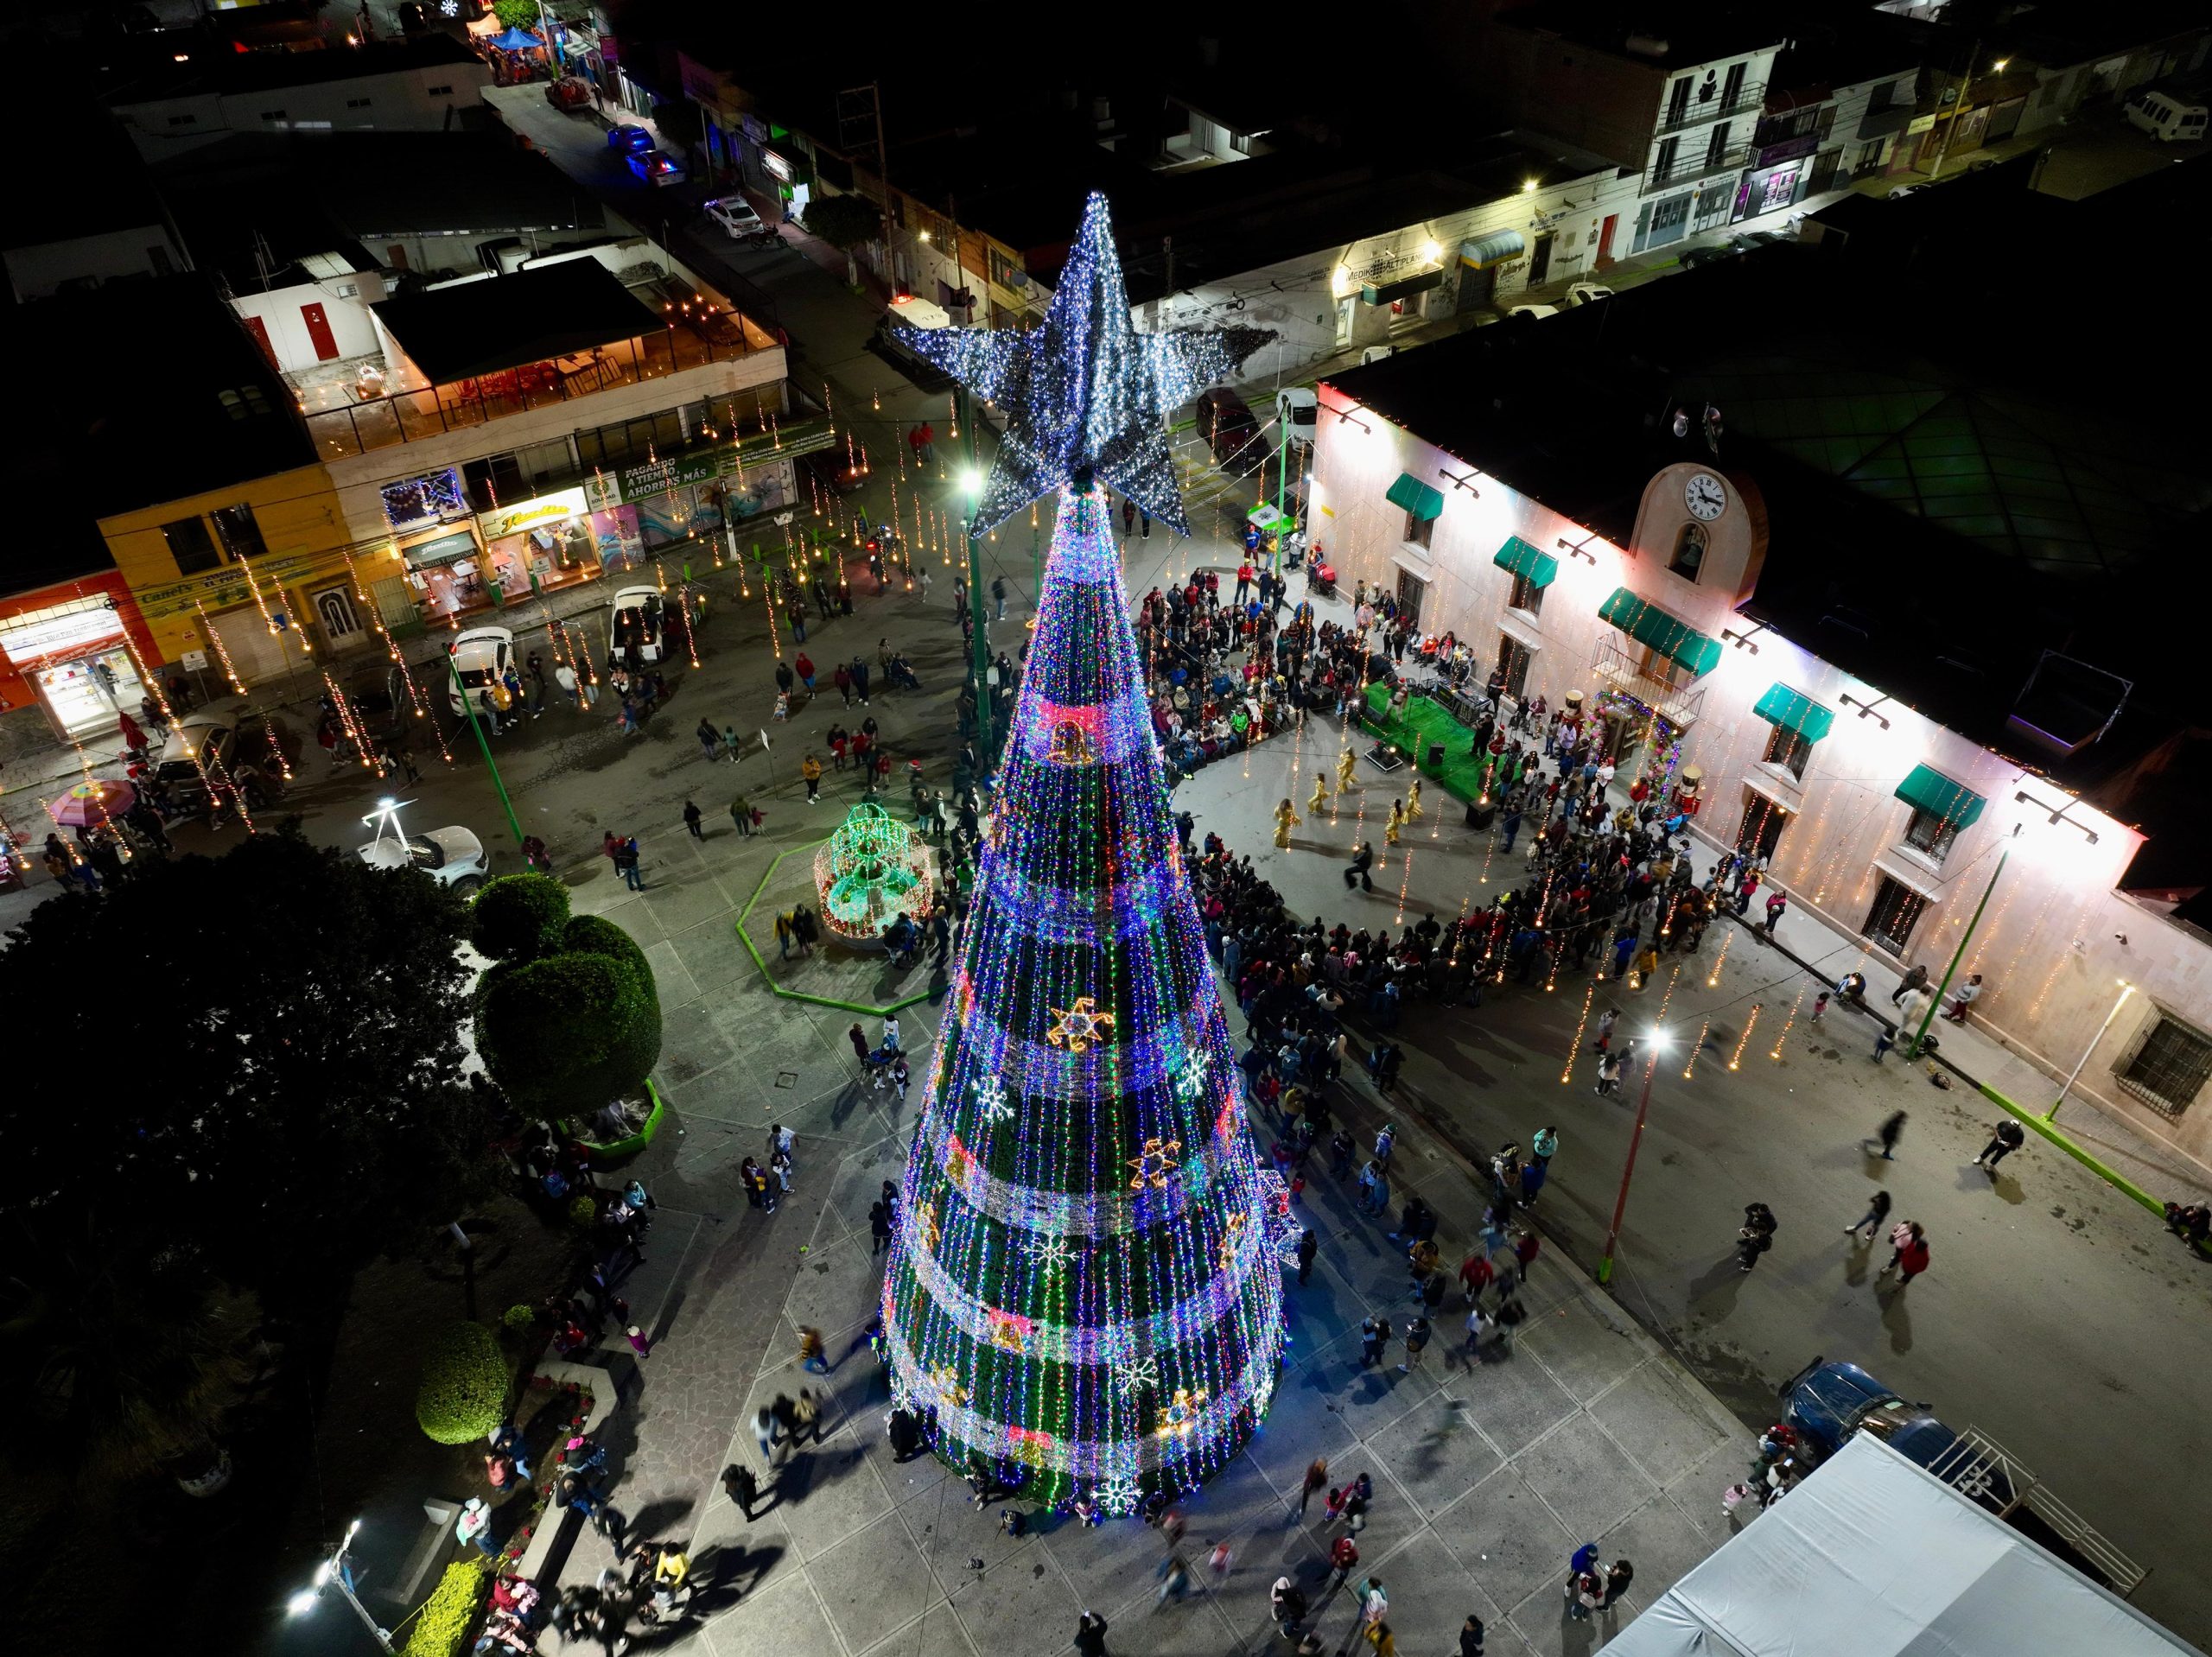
(1874, 1557)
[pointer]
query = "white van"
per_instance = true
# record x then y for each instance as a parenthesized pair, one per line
(919, 312)
(481, 656)
(1296, 409)
(2175, 117)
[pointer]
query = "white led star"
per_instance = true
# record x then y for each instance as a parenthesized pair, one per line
(991, 1102)
(1085, 395)
(1135, 1373)
(1191, 1074)
(1118, 1496)
(1051, 1254)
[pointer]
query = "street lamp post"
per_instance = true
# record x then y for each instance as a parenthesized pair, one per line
(1628, 1169)
(337, 1571)
(475, 724)
(971, 485)
(1919, 1036)
(2096, 1041)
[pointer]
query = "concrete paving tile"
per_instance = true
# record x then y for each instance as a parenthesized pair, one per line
(1435, 1451)
(1657, 1421)
(1507, 1538)
(1584, 1475)
(1549, 1631)
(1697, 1491)
(784, 1617)
(1375, 1398)
(1513, 1402)
(1304, 1421)
(1584, 1350)
(1192, 1628)
(687, 901)
(1660, 1541)
(829, 1495)
(1320, 1310)
(1235, 1504)
(873, 1582)
(860, 1179)
(691, 1045)
(711, 953)
(936, 1633)
(1022, 1607)
(952, 1531)
(729, 1092)
(631, 913)
(835, 1288)
(1430, 1596)
(1551, 1282)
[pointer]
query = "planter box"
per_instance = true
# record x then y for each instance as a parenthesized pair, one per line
(624, 1147)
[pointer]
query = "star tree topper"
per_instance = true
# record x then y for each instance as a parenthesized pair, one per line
(1085, 394)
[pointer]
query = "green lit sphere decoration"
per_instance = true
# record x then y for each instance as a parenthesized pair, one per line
(871, 871)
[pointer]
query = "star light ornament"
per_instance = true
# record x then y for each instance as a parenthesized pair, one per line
(1086, 394)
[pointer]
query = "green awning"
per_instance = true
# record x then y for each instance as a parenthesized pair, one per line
(1410, 494)
(1389, 293)
(1493, 249)
(1931, 791)
(1523, 560)
(1649, 624)
(1793, 710)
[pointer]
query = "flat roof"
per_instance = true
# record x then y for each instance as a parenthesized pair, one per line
(1953, 487)
(1682, 32)
(131, 396)
(481, 328)
(216, 69)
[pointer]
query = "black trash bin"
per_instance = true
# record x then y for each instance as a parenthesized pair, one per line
(1436, 758)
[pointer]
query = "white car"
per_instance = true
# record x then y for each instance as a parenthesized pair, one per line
(1587, 293)
(735, 214)
(1296, 409)
(1534, 310)
(635, 619)
(481, 656)
(453, 857)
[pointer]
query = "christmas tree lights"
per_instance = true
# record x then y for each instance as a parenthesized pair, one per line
(1084, 1285)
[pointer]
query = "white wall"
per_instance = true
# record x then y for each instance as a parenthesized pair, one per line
(2051, 944)
(351, 325)
(37, 272)
(409, 100)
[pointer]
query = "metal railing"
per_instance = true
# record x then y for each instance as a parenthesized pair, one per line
(1985, 1472)
(1698, 115)
(405, 416)
(1679, 704)
(1689, 172)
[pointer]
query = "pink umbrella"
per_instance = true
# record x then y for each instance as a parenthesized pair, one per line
(90, 805)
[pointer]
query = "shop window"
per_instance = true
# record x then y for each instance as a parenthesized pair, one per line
(1786, 748)
(1760, 831)
(1931, 836)
(1528, 597)
(491, 480)
(1689, 552)
(1513, 662)
(190, 544)
(1420, 529)
(2169, 1066)
(240, 535)
(1898, 909)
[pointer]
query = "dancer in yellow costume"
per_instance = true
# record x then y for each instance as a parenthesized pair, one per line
(1413, 800)
(1344, 763)
(1320, 791)
(1285, 818)
(1397, 822)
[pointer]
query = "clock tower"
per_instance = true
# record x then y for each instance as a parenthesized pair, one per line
(1701, 532)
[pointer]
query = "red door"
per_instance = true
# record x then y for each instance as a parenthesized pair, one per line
(1606, 238)
(326, 342)
(259, 330)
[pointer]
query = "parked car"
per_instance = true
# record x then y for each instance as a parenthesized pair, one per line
(631, 140)
(1374, 354)
(1228, 427)
(1297, 407)
(2170, 116)
(1898, 192)
(1585, 292)
(241, 747)
(1691, 258)
(1534, 311)
(570, 94)
(657, 166)
(635, 620)
(452, 856)
(735, 214)
(481, 656)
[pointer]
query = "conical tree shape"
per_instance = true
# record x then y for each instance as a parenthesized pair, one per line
(1084, 1277)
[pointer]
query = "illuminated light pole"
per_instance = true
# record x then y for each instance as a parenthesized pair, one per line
(475, 724)
(971, 486)
(1658, 1040)
(2096, 1041)
(1919, 1036)
(337, 1571)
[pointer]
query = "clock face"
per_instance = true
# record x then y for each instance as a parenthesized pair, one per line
(1706, 497)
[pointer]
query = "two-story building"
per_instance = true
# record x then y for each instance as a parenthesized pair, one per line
(1835, 104)
(1872, 592)
(1671, 93)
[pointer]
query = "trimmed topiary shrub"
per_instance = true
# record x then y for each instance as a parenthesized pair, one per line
(519, 1320)
(519, 916)
(573, 1029)
(464, 1390)
(449, 1616)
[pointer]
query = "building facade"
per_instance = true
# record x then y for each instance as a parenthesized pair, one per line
(1880, 820)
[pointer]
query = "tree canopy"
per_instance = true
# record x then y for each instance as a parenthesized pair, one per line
(843, 221)
(254, 1063)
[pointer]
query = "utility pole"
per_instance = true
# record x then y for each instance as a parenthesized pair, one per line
(1628, 1169)
(1958, 109)
(475, 724)
(1912, 1048)
(2096, 1041)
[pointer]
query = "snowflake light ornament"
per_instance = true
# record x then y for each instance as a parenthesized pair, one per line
(991, 1102)
(1191, 1074)
(1118, 1497)
(1135, 1374)
(1050, 1253)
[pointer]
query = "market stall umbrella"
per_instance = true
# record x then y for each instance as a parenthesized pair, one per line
(517, 40)
(90, 805)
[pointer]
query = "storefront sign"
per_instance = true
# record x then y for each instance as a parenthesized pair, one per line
(51, 636)
(1920, 123)
(1788, 150)
(546, 509)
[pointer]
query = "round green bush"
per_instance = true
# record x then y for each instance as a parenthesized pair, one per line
(449, 1616)
(573, 1030)
(519, 916)
(520, 1319)
(464, 1391)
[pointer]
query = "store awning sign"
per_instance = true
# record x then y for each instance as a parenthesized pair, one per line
(546, 509)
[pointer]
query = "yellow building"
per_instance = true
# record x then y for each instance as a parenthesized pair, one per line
(254, 571)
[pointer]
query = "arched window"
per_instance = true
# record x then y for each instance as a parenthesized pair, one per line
(1689, 551)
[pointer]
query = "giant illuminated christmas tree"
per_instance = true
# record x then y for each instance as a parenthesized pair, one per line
(1085, 1278)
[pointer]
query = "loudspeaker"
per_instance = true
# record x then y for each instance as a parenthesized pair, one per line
(1480, 815)
(1436, 756)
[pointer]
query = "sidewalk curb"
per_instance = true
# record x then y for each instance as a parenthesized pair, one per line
(2042, 1125)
